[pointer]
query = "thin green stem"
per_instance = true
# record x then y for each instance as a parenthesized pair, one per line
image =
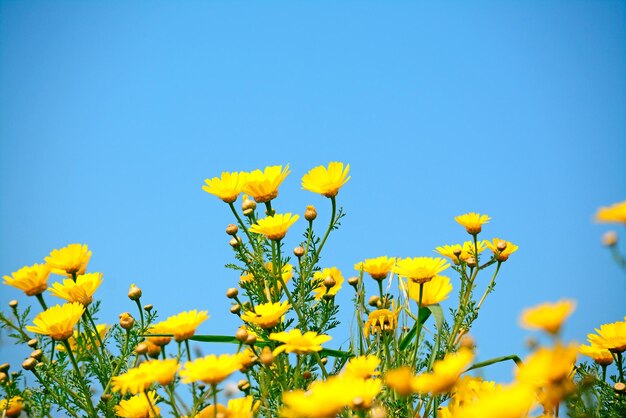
(95, 330)
(242, 225)
(322, 367)
(53, 394)
(419, 325)
(41, 301)
(90, 408)
(193, 384)
(170, 392)
(489, 287)
(145, 392)
(119, 363)
(140, 314)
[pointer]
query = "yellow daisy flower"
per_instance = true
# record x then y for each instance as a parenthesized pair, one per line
(212, 412)
(400, 380)
(420, 269)
(266, 315)
(326, 181)
(547, 366)
(362, 367)
(296, 342)
(614, 213)
(138, 406)
(227, 187)
(445, 373)
(434, 291)
(513, 401)
(211, 369)
(242, 407)
(262, 186)
(380, 319)
(468, 389)
(274, 227)
(286, 272)
(548, 316)
(247, 277)
(183, 325)
(360, 393)
(81, 290)
(473, 222)
(138, 379)
(322, 400)
(13, 407)
(600, 356)
(465, 251)
(320, 276)
(378, 267)
(69, 260)
(32, 280)
(159, 328)
(58, 322)
(610, 336)
(504, 254)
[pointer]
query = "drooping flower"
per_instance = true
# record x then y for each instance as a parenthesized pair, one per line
(81, 290)
(69, 260)
(184, 325)
(445, 373)
(263, 185)
(139, 406)
(614, 213)
(610, 336)
(464, 251)
(320, 276)
(380, 319)
(326, 181)
(473, 222)
(296, 342)
(211, 369)
(434, 291)
(138, 379)
(58, 322)
(378, 268)
(13, 407)
(362, 367)
(227, 187)
(501, 255)
(600, 356)
(274, 227)
(266, 315)
(420, 269)
(33, 280)
(548, 316)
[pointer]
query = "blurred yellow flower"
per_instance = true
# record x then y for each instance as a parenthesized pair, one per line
(33, 280)
(138, 379)
(610, 336)
(69, 260)
(242, 407)
(445, 373)
(548, 316)
(274, 227)
(246, 277)
(211, 369)
(504, 254)
(378, 268)
(473, 222)
(513, 401)
(138, 406)
(159, 328)
(58, 322)
(326, 181)
(614, 213)
(322, 400)
(81, 290)
(468, 389)
(320, 276)
(184, 325)
(465, 251)
(434, 291)
(400, 380)
(360, 393)
(266, 315)
(263, 185)
(362, 367)
(13, 407)
(547, 366)
(296, 342)
(227, 187)
(420, 269)
(600, 356)
(286, 272)
(380, 319)
(213, 412)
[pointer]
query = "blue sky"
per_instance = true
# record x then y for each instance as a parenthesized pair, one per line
(113, 113)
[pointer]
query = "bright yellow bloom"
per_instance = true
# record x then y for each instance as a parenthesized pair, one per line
(213, 412)
(82, 337)
(263, 185)
(362, 367)
(247, 277)
(81, 290)
(322, 290)
(58, 321)
(600, 356)
(266, 315)
(360, 393)
(613, 213)
(512, 401)
(400, 380)
(184, 325)
(138, 406)
(140, 378)
(326, 181)
(286, 272)
(160, 328)
(227, 187)
(242, 407)
(13, 407)
(69, 260)
(501, 255)
(434, 291)
(323, 400)
(380, 319)
(467, 390)
(445, 373)
(473, 222)
(548, 316)
(466, 250)
(32, 280)
(610, 336)
(274, 227)
(211, 369)
(420, 269)
(296, 342)
(378, 267)
(547, 366)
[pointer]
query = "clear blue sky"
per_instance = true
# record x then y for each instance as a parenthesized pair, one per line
(113, 113)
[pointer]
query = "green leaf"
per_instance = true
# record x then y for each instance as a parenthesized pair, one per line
(495, 360)
(423, 316)
(439, 320)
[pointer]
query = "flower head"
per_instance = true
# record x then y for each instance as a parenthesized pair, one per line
(445, 373)
(69, 260)
(296, 342)
(614, 213)
(400, 380)
(263, 185)
(464, 251)
(600, 356)
(420, 269)
(211, 369)
(434, 291)
(378, 267)
(13, 407)
(326, 181)
(547, 366)
(227, 187)
(142, 405)
(160, 328)
(81, 290)
(242, 407)
(513, 401)
(32, 280)
(362, 367)
(501, 255)
(58, 322)
(323, 400)
(266, 315)
(138, 379)
(468, 389)
(320, 276)
(274, 227)
(473, 222)
(184, 325)
(380, 319)
(610, 336)
(548, 316)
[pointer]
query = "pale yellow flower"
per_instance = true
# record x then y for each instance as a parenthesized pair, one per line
(183, 326)
(211, 369)
(548, 316)
(274, 227)
(445, 373)
(296, 342)
(266, 315)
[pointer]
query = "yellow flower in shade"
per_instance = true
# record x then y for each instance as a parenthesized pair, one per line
(266, 315)
(81, 290)
(420, 269)
(600, 356)
(184, 325)
(296, 342)
(610, 336)
(504, 254)
(274, 227)
(473, 222)
(378, 267)
(445, 373)
(614, 213)
(547, 366)
(513, 401)
(69, 260)
(362, 367)
(263, 185)
(326, 181)
(58, 322)
(434, 291)
(227, 187)
(82, 339)
(159, 328)
(468, 389)
(13, 407)
(466, 250)
(32, 280)
(138, 406)
(380, 319)
(548, 316)
(320, 276)
(400, 380)
(211, 369)
(140, 378)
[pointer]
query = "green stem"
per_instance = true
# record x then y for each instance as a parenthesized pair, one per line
(119, 364)
(170, 392)
(95, 330)
(140, 314)
(419, 326)
(90, 408)
(41, 301)
(330, 227)
(620, 366)
(322, 367)
(53, 394)
(193, 384)
(145, 392)
(489, 287)
(243, 226)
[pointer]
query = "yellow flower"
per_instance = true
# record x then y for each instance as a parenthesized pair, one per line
(360, 393)
(434, 291)
(286, 272)
(13, 407)
(81, 290)
(160, 328)
(296, 342)
(600, 356)
(77, 337)
(613, 213)
(263, 185)
(473, 222)
(242, 407)
(247, 277)
(227, 187)
(274, 227)
(69, 260)
(184, 325)
(211, 369)
(140, 378)
(445, 373)
(468, 389)
(322, 400)
(420, 269)
(138, 406)
(266, 315)
(400, 380)
(548, 316)
(32, 280)
(504, 254)
(378, 267)
(380, 319)
(512, 401)
(326, 181)
(610, 336)
(213, 412)
(466, 250)
(58, 321)
(320, 276)
(547, 366)
(362, 367)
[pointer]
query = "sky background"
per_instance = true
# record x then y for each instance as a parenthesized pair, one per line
(112, 114)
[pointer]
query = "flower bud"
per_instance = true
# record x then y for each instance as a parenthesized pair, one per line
(501, 246)
(324, 360)
(232, 229)
(106, 397)
(457, 251)
(142, 348)
(33, 343)
(134, 293)
(13, 304)
(248, 205)
(4, 367)
(471, 262)
(378, 412)
(126, 320)
(243, 385)
(154, 351)
(232, 293)
(353, 281)
(329, 282)
(235, 242)
(609, 238)
(306, 374)
(299, 251)
(328, 297)
(29, 363)
(248, 212)
(241, 335)
(266, 358)
(619, 387)
(373, 301)
(467, 341)
(251, 339)
(148, 307)
(3, 376)
(235, 309)
(310, 213)
(36, 354)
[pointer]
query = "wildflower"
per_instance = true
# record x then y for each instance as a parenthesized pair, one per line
(242, 407)
(378, 268)
(32, 280)
(614, 213)
(610, 336)
(322, 289)
(360, 393)
(310, 214)
(126, 321)
(77, 337)
(211, 369)
(81, 290)
(213, 411)
(274, 227)
(286, 271)
(464, 251)
(380, 319)
(513, 401)
(296, 342)
(138, 379)
(400, 380)
(263, 185)
(69, 260)
(141, 405)
(420, 269)
(13, 407)
(362, 367)
(467, 390)
(227, 187)
(547, 365)
(320, 401)
(58, 321)
(326, 181)
(501, 255)
(266, 315)
(600, 356)
(434, 291)
(184, 325)
(548, 316)
(473, 222)
(246, 277)
(445, 373)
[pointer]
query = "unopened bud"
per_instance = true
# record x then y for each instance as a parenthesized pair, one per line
(248, 212)
(373, 301)
(235, 309)
(13, 304)
(619, 387)
(306, 374)
(232, 293)
(126, 320)
(310, 213)
(298, 251)
(467, 341)
(471, 262)
(154, 351)
(266, 358)
(235, 242)
(232, 229)
(378, 412)
(134, 293)
(142, 348)
(29, 363)
(353, 281)
(328, 297)
(329, 282)
(609, 238)
(324, 360)
(4, 367)
(201, 386)
(148, 307)
(33, 343)
(106, 397)
(36, 354)
(248, 204)
(3, 376)
(251, 339)
(243, 385)
(501, 246)
(241, 335)
(457, 251)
